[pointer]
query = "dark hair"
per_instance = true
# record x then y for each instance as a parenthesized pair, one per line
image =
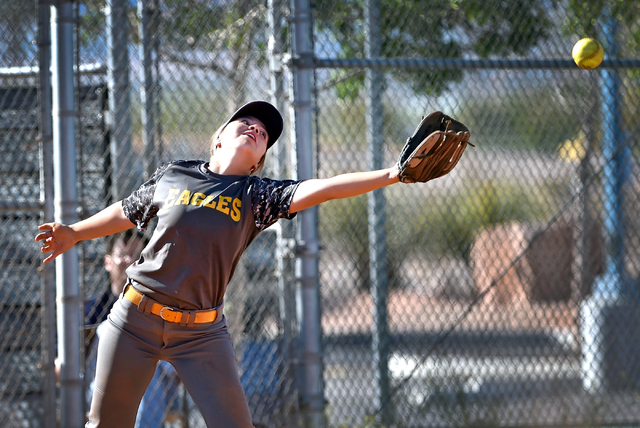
(125, 237)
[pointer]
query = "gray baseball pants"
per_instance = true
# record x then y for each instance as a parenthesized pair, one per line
(203, 356)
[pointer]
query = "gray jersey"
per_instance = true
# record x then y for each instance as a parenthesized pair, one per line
(205, 222)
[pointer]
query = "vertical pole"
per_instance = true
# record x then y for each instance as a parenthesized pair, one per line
(585, 221)
(66, 211)
(118, 117)
(285, 230)
(46, 198)
(158, 83)
(610, 302)
(145, 48)
(308, 298)
(376, 214)
(613, 171)
(277, 45)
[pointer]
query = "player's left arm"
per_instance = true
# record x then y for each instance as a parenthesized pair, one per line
(318, 190)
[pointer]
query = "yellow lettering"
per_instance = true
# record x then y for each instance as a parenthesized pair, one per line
(184, 198)
(223, 204)
(197, 198)
(210, 201)
(171, 198)
(235, 212)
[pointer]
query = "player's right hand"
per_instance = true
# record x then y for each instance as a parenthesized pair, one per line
(56, 239)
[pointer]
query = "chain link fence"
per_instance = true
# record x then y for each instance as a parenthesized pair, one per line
(503, 294)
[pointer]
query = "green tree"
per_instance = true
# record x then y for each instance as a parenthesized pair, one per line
(455, 29)
(229, 38)
(437, 29)
(587, 17)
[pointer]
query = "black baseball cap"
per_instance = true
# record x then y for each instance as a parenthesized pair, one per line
(265, 113)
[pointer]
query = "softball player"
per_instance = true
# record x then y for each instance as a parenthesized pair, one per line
(172, 306)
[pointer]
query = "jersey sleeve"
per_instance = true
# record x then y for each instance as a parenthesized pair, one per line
(271, 200)
(139, 206)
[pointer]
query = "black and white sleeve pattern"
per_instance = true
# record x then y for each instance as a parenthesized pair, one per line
(271, 200)
(139, 207)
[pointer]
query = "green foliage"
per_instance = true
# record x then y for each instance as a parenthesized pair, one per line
(454, 29)
(587, 17)
(91, 31)
(343, 124)
(432, 29)
(348, 84)
(492, 203)
(212, 26)
(344, 218)
(186, 23)
(533, 120)
(446, 226)
(344, 221)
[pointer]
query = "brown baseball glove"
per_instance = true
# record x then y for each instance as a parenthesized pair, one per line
(433, 150)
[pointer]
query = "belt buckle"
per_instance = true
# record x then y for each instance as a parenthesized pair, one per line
(171, 310)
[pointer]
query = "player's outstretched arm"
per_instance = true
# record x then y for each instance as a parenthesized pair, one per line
(57, 238)
(316, 191)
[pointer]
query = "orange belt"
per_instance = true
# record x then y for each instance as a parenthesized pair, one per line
(168, 313)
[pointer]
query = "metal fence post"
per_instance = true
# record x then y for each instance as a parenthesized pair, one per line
(46, 199)
(613, 292)
(119, 113)
(146, 15)
(376, 214)
(285, 230)
(613, 173)
(66, 211)
(311, 389)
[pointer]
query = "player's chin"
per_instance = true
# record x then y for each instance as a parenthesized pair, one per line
(255, 145)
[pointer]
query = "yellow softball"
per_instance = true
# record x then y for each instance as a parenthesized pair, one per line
(587, 53)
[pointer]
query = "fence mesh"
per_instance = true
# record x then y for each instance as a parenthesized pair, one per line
(20, 317)
(503, 294)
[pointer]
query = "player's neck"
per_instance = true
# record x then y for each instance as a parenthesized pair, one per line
(227, 167)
